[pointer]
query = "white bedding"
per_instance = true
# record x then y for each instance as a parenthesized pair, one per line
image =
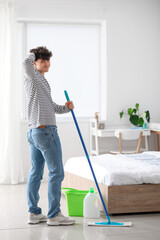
(118, 169)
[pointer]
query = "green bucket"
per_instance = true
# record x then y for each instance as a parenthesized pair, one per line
(74, 199)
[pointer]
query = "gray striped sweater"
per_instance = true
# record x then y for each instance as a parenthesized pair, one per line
(40, 107)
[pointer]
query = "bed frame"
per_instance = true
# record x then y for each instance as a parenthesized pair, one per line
(121, 199)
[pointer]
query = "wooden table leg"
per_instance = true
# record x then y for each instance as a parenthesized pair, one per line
(157, 142)
(157, 133)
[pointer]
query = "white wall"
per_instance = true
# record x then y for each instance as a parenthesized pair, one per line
(133, 56)
(133, 59)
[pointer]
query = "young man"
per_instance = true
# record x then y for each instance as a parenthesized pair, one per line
(43, 138)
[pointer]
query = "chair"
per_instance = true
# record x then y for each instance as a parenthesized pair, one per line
(127, 135)
(155, 128)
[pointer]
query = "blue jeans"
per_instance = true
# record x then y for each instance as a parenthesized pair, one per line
(45, 147)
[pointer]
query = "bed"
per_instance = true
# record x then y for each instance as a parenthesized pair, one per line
(129, 183)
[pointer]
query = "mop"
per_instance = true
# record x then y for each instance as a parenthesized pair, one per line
(98, 224)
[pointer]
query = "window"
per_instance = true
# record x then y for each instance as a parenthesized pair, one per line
(75, 65)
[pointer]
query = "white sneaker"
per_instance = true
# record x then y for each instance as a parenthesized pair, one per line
(60, 219)
(36, 218)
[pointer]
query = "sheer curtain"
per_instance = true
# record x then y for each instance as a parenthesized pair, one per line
(11, 171)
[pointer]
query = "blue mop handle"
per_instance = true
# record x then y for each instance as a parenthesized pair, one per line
(87, 156)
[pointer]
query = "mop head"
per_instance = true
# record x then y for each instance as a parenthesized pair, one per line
(111, 224)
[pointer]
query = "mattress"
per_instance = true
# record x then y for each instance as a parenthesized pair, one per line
(118, 169)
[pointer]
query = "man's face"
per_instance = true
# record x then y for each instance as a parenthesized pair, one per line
(42, 65)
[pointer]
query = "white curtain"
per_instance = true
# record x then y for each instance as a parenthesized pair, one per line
(11, 171)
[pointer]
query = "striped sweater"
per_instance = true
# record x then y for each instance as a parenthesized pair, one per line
(40, 107)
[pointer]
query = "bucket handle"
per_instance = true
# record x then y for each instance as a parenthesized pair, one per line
(71, 189)
(75, 190)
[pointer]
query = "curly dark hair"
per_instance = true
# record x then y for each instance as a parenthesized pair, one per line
(41, 53)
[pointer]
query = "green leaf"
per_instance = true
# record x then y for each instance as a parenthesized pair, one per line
(140, 122)
(130, 111)
(137, 106)
(144, 115)
(134, 119)
(121, 114)
(134, 110)
(147, 116)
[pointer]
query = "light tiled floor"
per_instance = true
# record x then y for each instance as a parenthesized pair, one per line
(14, 213)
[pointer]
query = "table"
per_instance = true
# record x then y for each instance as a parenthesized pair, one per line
(109, 132)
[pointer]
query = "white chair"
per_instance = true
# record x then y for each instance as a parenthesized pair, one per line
(155, 128)
(127, 135)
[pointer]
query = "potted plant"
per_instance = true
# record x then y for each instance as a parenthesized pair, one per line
(136, 118)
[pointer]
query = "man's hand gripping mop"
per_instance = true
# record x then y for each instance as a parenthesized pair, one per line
(98, 224)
